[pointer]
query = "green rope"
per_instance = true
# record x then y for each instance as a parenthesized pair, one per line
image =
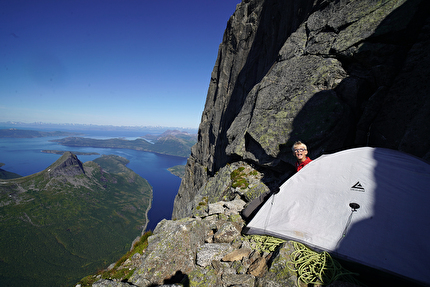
(317, 268)
(265, 243)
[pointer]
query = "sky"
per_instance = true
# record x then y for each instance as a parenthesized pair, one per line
(109, 62)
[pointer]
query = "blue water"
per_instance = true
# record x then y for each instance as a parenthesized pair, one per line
(24, 157)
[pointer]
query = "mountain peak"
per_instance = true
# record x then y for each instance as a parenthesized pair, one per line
(68, 165)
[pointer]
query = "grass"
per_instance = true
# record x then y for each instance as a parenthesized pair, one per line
(116, 272)
(60, 229)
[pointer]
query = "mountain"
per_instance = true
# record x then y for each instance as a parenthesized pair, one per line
(4, 174)
(169, 143)
(333, 74)
(18, 133)
(69, 220)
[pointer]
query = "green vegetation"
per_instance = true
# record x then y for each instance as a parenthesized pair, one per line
(169, 144)
(238, 177)
(178, 170)
(74, 152)
(69, 220)
(7, 174)
(203, 203)
(118, 272)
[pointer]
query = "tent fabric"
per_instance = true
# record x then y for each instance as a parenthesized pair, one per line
(390, 230)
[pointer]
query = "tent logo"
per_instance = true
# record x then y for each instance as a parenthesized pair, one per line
(357, 187)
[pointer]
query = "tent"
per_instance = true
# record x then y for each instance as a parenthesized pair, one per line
(366, 205)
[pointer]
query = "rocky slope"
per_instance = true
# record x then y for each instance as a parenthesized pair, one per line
(333, 74)
(209, 248)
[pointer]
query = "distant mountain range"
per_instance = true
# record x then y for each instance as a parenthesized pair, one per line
(90, 127)
(174, 143)
(69, 220)
(17, 133)
(170, 142)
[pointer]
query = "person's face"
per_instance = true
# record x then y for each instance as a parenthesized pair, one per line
(300, 152)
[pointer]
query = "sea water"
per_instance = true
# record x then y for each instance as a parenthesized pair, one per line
(24, 156)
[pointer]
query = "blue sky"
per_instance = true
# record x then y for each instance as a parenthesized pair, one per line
(109, 62)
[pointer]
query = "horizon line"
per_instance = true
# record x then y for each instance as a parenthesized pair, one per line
(93, 125)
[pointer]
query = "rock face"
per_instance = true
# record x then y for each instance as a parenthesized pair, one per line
(69, 165)
(207, 250)
(333, 74)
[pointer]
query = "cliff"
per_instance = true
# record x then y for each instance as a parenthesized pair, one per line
(333, 74)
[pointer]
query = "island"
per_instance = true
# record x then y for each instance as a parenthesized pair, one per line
(178, 170)
(53, 151)
(169, 143)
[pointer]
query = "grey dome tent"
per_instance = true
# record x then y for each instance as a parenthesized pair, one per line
(366, 205)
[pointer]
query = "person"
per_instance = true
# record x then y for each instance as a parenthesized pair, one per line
(300, 151)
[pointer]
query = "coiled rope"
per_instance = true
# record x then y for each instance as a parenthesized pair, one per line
(265, 243)
(317, 268)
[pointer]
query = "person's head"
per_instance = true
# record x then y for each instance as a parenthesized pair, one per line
(300, 151)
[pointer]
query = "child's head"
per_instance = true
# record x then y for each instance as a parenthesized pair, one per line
(300, 151)
(299, 145)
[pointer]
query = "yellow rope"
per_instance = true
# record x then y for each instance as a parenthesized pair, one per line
(312, 267)
(317, 268)
(265, 243)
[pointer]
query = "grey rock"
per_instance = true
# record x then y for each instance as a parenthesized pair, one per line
(334, 74)
(216, 208)
(238, 280)
(109, 283)
(204, 277)
(172, 247)
(237, 254)
(258, 268)
(234, 206)
(211, 221)
(227, 233)
(279, 271)
(212, 251)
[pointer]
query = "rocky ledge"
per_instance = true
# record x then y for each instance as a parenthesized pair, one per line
(210, 250)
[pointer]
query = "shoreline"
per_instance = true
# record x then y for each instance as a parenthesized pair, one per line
(146, 223)
(146, 214)
(60, 152)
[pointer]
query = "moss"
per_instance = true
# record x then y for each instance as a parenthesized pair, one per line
(223, 217)
(203, 277)
(238, 177)
(255, 191)
(203, 203)
(235, 218)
